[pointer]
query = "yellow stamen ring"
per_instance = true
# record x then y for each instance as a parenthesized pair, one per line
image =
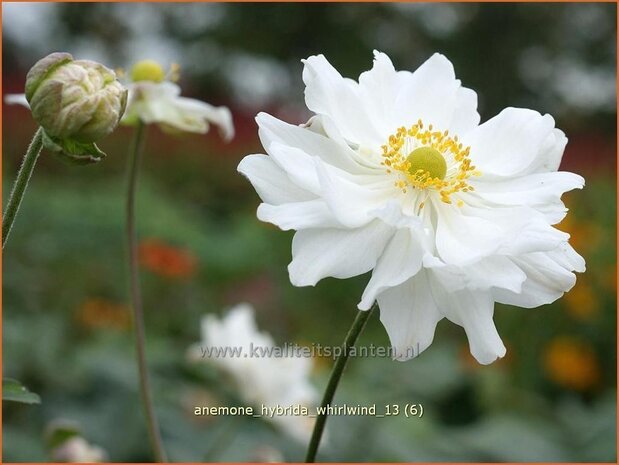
(428, 159)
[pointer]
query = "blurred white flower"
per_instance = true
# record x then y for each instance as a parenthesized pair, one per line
(395, 174)
(77, 450)
(155, 100)
(265, 379)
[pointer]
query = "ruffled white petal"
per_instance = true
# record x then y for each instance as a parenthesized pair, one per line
(379, 88)
(462, 239)
(350, 201)
(338, 253)
(299, 215)
(270, 181)
(549, 276)
(496, 271)
(335, 153)
(509, 144)
(522, 229)
(364, 157)
(432, 93)
(400, 261)
(328, 93)
(535, 190)
(410, 315)
(550, 154)
(473, 310)
(465, 117)
(567, 257)
(194, 113)
(524, 237)
(298, 165)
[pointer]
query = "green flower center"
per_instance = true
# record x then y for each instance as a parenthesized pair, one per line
(147, 70)
(428, 160)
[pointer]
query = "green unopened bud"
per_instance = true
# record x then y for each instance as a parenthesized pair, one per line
(76, 101)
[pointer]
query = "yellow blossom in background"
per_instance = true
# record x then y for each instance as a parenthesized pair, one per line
(584, 235)
(99, 313)
(582, 302)
(571, 363)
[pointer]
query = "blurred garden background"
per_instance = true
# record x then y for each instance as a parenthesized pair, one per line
(66, 321)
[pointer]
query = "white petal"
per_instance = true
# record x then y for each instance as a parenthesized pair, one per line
(149, 101)
(465, 117)
(312, 143)
(299, 215)
(400, 261)
(551, 153)
(298, 165)
(339, 253)
(410, 315)
(568, 258)
(523, 229)
(379, 87)
(538, 235)
(537, 189)
(270, 181)
(16, 99)
(350, 201)
(510, 143)
(391, 213)
(495, 271)
(328, 93)
(366, 159)
(473, 310)
(189, 108)
(462, 239)
(549, 276)
(432, 93)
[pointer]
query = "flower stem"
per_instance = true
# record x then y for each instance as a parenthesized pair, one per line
(21, 183)
(136, 297)
(334, 380)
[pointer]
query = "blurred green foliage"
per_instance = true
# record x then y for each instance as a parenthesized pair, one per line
(65, 316)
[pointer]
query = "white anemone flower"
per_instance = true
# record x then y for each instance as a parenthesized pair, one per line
(261, 378)
(395, 174)
(156, 100)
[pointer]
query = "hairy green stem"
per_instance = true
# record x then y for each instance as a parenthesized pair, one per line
(334, 380)
(21, 183)
(136, 297)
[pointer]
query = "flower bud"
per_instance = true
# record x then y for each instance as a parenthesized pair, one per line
(77, 100)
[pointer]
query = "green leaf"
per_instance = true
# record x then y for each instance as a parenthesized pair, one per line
(13, 390)
(78, 153)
